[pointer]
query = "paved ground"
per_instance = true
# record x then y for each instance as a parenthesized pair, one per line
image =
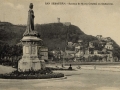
(84, 79)
(6, 69)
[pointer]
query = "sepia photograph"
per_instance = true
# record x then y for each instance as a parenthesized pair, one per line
(59, 45)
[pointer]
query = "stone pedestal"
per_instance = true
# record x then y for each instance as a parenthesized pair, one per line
(30, 59)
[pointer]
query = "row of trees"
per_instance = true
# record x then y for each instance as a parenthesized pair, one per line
(9, 55)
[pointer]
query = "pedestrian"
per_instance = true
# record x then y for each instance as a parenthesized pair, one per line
(94, 66)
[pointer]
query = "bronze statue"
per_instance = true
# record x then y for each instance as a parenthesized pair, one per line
(30, 23)
(31, 17)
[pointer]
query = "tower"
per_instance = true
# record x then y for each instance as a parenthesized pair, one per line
(58, 20)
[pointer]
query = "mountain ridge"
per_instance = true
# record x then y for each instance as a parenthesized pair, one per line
(54, 35)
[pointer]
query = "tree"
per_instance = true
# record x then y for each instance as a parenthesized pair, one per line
(95, 57)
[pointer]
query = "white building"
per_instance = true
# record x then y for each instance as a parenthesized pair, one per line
(99, 36)
(43, 53)
(109, 46)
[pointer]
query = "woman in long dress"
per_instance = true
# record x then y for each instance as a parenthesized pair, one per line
(30, 22)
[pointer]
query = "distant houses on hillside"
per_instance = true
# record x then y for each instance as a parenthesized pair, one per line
(100, 50)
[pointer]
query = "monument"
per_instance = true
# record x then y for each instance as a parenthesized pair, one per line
(31, 43)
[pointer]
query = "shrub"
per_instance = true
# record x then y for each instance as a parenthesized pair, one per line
(41, 74)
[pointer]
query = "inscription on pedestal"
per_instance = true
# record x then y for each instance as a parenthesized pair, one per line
(27, 49)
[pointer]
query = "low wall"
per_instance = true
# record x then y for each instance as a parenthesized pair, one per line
(103, 68)
(88, 63)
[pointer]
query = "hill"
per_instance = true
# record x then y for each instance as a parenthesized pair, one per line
(10, 34)
(54, 35)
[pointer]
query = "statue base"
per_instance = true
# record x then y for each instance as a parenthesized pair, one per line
(30, 63)
(30, 59)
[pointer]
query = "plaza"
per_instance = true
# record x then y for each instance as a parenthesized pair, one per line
(86, 78)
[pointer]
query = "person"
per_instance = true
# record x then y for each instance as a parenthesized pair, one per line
(30, 22)
(94, 66)
(78, 67)
(70, 68)
(31, 16)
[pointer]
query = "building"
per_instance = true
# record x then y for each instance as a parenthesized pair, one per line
(87, 52)
(70, 44)
(43, 53)
(79, 54)
(67, 23)
(95, 52)
(109, 46)
(104, 50)
(58, 20)
(110, 56)
(80, 42)
(72, 53)
(99, 36)
(77, 48)
(91, 45)
(108, 38)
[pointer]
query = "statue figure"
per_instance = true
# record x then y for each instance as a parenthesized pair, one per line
(30, 23)
(31, 16)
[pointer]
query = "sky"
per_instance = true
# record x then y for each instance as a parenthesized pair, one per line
(91, 18)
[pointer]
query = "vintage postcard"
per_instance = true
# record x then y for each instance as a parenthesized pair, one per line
(59, 44)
